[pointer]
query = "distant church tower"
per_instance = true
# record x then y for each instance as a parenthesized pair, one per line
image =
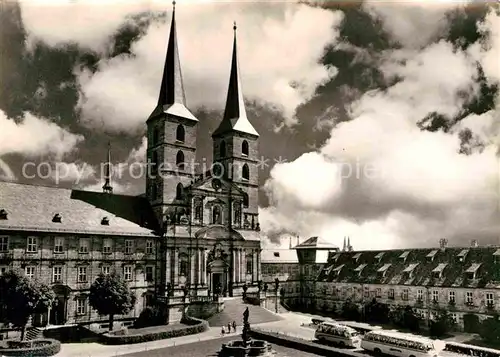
(235, 145)
(171, 132)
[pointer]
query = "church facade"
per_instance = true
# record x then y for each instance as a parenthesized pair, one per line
(191, 234)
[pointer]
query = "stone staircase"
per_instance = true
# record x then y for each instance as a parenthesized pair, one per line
(33, 333)
(233, 311)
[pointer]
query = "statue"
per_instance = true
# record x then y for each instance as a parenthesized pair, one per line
(246, 328)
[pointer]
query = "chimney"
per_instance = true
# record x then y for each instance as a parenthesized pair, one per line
(290, 245)
(298, 241)
(443, 242)
(473, 243)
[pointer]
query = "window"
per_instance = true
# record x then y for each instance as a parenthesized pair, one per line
(4, 244)
(237, 213)
(58, 245)
(245, 172)
(379, 292)
(222, 149)
(404, 294)
(216, 215)
(3, 270)
(149, 247)
(244, 148)
(154, 162)
(57, 218)
(454, 317)
(106, 246)
(435, 295)
(129, 244)
(245, 200)
(183, 265)
(489, 299)
(420, 295)
(127, 272)
(391, 294)
(178, 192)
(106, 269)
(31, 246)
(29, 272)
(451, 297)
(57, 274)
(179, 160)
(180, 134)
(249, 258)
(156, 135)
(468, 297)
(198, 210)
(149, 300)
(105, 221)
(81, 306)
(82, 274)
(149, 273)
(84, 246)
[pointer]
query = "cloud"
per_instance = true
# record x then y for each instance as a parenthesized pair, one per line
(6, 173)
(413, 24)
(72, 172)
(33, 136)
(400, 185)
(279, 56)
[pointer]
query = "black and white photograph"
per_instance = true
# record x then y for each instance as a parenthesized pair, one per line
(236, 178)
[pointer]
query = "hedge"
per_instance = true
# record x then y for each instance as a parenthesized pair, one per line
(302, 345)
(194, 326)
(40, 348)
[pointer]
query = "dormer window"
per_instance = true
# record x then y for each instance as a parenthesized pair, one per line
(437, 273)
(336, 257)
(431, 255)
(356, 256)
(379, 256)
(105, 221)
(277, 254)
(337, 270)
(360, 268)
(462, 255)
(382, 271)
(3, 214)
(57, 218)
(409, 269)
(471, 273)
(404, 255)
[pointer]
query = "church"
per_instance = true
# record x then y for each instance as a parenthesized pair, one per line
(191, 233)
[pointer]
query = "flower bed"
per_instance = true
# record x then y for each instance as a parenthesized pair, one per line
(189, 326)
(35, 348)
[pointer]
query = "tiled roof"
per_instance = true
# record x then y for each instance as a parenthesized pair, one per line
(316, 242)
(32, 208)
(278, 256)
(447, 268)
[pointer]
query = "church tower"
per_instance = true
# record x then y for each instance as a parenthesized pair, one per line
(235, 145)
(171, 136)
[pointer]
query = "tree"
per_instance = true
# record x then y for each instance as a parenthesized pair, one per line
(23, 297)
(442, 324)
(110, 295)
(405, 317)
(490, 330)
(350, 311)
(377, 312)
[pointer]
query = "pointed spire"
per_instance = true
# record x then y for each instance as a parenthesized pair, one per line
(349, 246)
(172, 98)
(107, 188)
(344, 247)
(235, 115)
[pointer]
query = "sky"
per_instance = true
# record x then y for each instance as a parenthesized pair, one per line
(378, 120)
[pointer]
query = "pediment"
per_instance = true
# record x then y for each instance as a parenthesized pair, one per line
(210, 184)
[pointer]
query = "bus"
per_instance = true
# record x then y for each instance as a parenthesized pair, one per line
(398, 344)
(338, 334)
(471, 350)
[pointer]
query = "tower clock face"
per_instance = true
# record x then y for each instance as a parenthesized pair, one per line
(216, 184)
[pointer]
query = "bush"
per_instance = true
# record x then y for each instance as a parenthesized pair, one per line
(197, 326)
(150, 316)
(38, 348)
(490, 330)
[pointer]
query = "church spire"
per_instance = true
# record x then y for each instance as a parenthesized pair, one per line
(235, 115)
(107, 188)
(172, 98)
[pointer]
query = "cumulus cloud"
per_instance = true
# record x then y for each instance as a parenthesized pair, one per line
(71, 172)
(33, 136)
(400, 186)
(279, 56)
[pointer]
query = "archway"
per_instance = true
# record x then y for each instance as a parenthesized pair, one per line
(58, 310)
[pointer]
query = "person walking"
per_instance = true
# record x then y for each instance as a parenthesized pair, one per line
(229, 327)
(234, 326)
(223, 331)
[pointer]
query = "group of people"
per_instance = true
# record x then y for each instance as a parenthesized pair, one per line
(229, 327)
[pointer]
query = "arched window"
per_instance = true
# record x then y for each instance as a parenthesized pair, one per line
(183, 264)
(245, 200)
(198, 210)
(237, 213)
(222, 149)
(216, 215)
(179, 160)
(245, 172)
(180, 135)
(249, 261)
(244, 148)
(178, 192)
(154, 163)
(156, 135)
